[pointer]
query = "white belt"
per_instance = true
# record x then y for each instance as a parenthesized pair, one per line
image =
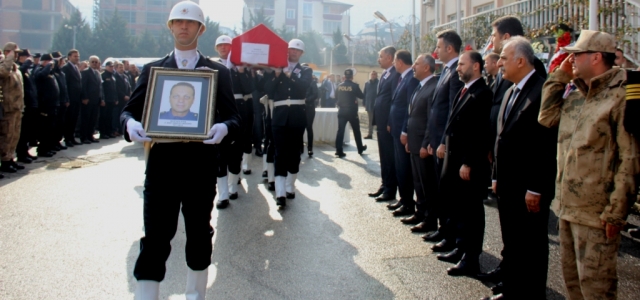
(270, 106)
(241, 97)
(288, 102)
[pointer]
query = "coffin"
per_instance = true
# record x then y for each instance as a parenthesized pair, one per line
(259, 46)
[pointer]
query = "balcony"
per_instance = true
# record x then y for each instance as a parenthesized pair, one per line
(618, 17)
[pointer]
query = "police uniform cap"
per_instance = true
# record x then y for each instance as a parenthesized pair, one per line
(56, 54)
(46, 56)
(37, 55)
(348, 73)
(108, 64)
(25, 52)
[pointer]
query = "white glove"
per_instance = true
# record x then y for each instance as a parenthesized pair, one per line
(217, 133)
(204, 68)
(136, 132)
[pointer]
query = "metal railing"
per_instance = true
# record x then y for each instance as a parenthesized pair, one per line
(618, 17)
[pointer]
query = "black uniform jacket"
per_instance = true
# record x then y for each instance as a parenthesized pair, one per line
(92, 86)
(48, 89)
(109, 87)
(74, 84)
(28, 80)
(347, 94)
(284, 88)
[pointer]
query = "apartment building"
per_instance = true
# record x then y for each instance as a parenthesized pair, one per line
(141, 15)
(438, 12)
(299, 16)
(32, 23)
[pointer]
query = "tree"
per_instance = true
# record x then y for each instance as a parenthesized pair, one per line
(313, 44)
(340, 51)
(207, 41)
(285, 33)
(146, 46)
(112, 38)
(63, 38)
(259, 18)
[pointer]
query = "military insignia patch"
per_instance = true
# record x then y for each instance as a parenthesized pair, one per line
(185, 11)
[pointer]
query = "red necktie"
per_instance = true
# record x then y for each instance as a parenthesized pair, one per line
(464, 90)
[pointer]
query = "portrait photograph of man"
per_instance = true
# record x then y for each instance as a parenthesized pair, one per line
(180, 104)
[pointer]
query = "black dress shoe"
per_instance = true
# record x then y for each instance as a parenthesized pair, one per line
(105, 136)
(494, 275)
(25, 159)
(291, 195)
(16, 166)
(385, 197)
(464, 268)
(45, 154)
(362, 150)
(265, 174)
(498, 288)
(7, 167)
(61, 147)
(452, 257)
(233, 196)
(495, 297)
(1, 176)
(259, 152)
(310, 153)
(377, 193)
(246, 172)
(443, 246)
(86, 142)
(281, 201)
(340, 154)
(433, 237)
(403, 211)
(95, 140)
(222, 204)
(368, 137)
(271, 186)
(68, 144)
(394, 206)
(413, 220)
(32, 157)
(423, 227)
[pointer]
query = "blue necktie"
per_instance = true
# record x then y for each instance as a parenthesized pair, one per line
(444, 73)
(512, 100)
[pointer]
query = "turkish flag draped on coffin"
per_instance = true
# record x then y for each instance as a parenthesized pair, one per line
(259, 46)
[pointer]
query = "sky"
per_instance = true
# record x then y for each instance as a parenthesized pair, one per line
(231, 16)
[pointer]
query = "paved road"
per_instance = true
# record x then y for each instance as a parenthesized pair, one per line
(69, 229)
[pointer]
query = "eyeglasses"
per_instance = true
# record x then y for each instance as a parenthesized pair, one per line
(95, 62)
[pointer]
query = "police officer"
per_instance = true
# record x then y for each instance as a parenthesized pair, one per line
(347, 95)
(61, 113)
(48, 102)
(289, 120)
(30, 114)
(11, 105)
(232, 154)
(109, 102)
(170, 186)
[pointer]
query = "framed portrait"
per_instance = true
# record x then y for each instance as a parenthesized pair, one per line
(180, 104)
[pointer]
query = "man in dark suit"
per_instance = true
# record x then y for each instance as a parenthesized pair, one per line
(386, 88)
(422, 169)
(48, 102)
(449, 84)
(465, 166)
(123, 88)
(397, 120)
(75, 92)
(329, 96)
(61, 113)
(524, 176)
(109, 102)
(504, 28)
(129, 74)
(162, 201)
(90, 107)
(370, 92)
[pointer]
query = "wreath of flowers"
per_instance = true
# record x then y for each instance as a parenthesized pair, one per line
(563, 39)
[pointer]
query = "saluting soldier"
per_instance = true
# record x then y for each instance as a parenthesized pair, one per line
(48, 102)
(289, 120)
(109, 102)
(162, 200)
(12, 103)
(231, 155)
(348, 93)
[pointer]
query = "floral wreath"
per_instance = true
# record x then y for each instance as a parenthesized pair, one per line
(563, 38)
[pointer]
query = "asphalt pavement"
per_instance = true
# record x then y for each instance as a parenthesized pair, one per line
(70, 228)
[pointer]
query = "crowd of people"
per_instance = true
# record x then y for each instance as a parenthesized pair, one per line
(501, 121)
(53, 102)
(497, 121)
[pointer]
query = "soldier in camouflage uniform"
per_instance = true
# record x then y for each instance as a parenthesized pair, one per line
(12, 102)
(597, 162)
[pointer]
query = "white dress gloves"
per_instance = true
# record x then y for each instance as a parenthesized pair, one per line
(136, 132)
(217, 133)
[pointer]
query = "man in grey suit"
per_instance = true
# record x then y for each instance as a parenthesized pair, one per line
(370, 94)
(422, 166)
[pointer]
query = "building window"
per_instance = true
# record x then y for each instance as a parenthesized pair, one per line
(484, 7)
(126, 2)
(267, 4)
(33, 21)
(32, 4)
(291, 13)
(431, 25)
(156, 18)
(331, 26)
(307, 9)
(162, 3)
(35, 40)
(291, 28)
(452, 17)
(306, 25)
(325, 9)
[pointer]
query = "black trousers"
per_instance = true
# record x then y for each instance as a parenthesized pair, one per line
(165, 194)
(61, 119)
(425, 186)
(352, 118)
(71, 120)
(106, 119)
(246, 137)
(526, 263)
(269, 146)
(46, 128)
(28, 131)
(115, 116)
(311, 115)
(387, 162)
(287, 149)
(89, 119)
(403, 174)
(230, 158)
(258, 123)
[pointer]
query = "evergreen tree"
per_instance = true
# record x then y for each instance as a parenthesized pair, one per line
(146, 45)
(285, 33)
(63, 38)
(259, 18)
(112, 38)
(165, 43)
(207, 41)
(313, 44)
(340, 52)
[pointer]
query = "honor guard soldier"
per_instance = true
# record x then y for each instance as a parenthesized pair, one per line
(347, 95)
(289, 120)
(232, 155)
(11, 105)
(162, 200)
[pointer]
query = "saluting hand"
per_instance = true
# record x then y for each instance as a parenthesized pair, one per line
(567, 65)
